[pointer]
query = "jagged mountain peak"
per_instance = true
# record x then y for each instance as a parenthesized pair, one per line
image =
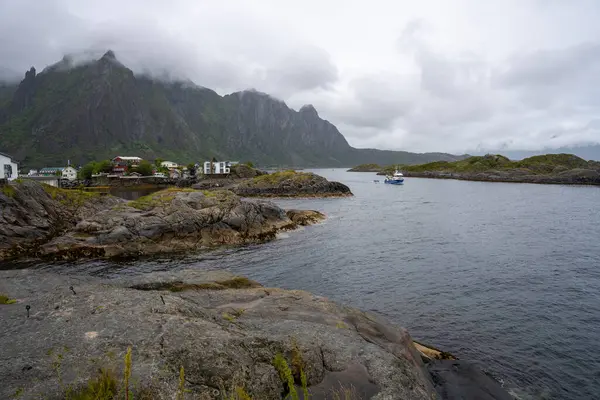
(109, 55)
(309, 109)
(31, 73)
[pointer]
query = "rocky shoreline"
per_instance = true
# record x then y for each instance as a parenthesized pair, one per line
(288, 184)
(210, 335)
(573, 177)
(559, 169)
(44, 222)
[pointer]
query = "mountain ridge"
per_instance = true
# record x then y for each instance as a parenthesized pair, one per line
(98, 109)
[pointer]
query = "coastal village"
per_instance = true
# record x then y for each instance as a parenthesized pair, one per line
(119, 167)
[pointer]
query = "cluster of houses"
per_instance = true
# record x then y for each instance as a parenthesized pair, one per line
(122, 166)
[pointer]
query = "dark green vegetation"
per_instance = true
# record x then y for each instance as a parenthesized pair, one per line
(160, 198)
(101, 109)
(238, 282)
(279, 176)
(163, 198)
(8, 190)
(106, 386)
(70, 198)
(544, 164)
(95, 167)
(145, 168)
(366, 168)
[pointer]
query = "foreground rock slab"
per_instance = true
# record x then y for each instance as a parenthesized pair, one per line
(225, 331)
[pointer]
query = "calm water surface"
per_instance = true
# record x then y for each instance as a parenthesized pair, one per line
(505, 275)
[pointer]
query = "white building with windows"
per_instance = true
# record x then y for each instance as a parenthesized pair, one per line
(9, 169)
(169, 164)
(69, 173)
(218, 167)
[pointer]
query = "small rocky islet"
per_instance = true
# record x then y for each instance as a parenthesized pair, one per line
(564, 169)
(190, 334)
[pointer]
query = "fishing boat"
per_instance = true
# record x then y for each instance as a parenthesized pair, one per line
(396, 179)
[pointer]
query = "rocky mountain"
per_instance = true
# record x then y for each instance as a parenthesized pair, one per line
(100, 109)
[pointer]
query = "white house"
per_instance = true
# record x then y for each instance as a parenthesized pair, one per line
(169, 164)
(218, 167)
(69, 173)
(9, 169)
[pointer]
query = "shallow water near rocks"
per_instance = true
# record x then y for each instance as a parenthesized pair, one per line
(505, 275)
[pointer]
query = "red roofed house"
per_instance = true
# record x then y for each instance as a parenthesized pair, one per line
(122, 163)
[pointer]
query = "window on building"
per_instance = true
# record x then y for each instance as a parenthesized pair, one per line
(8, 171)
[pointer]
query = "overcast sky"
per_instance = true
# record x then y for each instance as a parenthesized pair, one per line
(428, 75)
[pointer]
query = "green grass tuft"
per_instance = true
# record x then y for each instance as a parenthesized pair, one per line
(341, 325)
(127, 373)
(241, 394)
(285, 374)
(181, 387)
(6, 300)
(70, 197)
(103, 387)
(345, 393)
(8, 190)
(277, 177)
(228, 317)
(161, 198)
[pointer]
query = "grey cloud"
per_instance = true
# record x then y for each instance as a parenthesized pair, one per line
(9, 75)
(226, 54)
(307, 68)
(465, 103)
(33, 33)
(552, 67)
(560, 79)
(372, 101)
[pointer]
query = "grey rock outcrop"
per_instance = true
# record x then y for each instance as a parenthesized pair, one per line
(224, 330)
(291, 184)
(224, 338)
(32, 214)
(457, 379)
(172, 221)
